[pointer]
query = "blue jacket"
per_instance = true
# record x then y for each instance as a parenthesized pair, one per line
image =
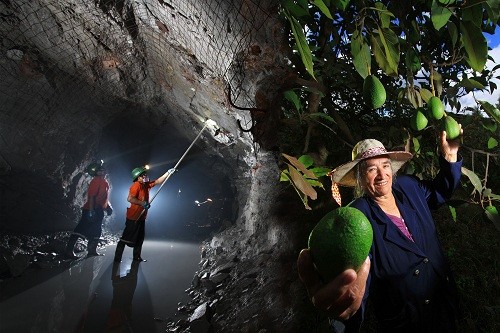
(410, 284)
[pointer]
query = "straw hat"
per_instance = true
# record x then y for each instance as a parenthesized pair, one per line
(365, 149)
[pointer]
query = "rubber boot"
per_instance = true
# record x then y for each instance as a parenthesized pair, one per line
(120, 247)
(70, 247)
(137, 253)
(92, 248)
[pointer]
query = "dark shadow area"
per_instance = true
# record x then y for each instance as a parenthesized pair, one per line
(97, 295)
(32, 276)
(33, 203)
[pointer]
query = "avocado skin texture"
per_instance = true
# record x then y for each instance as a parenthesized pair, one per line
(374, 93)
(435, 107)
(419, 121)
(340, 240)
(451, 127)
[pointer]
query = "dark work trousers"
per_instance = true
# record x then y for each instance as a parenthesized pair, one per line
(88, 228)
(133, 236)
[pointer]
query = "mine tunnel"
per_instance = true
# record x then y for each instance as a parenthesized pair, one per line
(133, 83)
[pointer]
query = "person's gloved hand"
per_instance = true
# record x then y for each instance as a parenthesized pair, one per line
(109, 210)
(171, 171)
(146, 205)
(91, 214)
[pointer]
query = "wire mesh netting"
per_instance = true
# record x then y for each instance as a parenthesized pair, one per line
(86, 51)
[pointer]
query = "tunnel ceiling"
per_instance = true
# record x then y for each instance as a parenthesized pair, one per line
(71, 68)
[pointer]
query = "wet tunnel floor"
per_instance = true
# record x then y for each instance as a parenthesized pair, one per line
(97, 295)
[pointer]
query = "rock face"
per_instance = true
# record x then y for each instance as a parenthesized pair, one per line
(72, 68)
(73, 71)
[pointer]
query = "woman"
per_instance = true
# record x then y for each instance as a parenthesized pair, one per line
(405, 276)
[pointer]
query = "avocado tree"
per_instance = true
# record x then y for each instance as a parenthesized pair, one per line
(395, 70)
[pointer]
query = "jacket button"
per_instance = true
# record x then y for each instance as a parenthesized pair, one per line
(426, 260)
(416, 272)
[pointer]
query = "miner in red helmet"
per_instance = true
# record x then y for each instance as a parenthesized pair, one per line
(90, 225)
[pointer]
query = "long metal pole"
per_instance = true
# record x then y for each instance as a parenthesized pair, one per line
(175, 167)
(179, 162)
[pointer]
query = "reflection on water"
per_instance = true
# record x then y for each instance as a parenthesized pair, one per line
(120, 313)
(97, 295)
(78, 293)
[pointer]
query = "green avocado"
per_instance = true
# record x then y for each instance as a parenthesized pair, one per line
(340, 240)
(435, 107)
(451, 127)
(418, 121)
(374, 93)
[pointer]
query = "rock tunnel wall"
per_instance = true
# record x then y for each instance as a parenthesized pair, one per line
(71, 68)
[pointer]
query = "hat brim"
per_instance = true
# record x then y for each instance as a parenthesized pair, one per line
(344, 174)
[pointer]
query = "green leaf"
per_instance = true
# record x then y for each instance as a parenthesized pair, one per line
(315, 183)
(383, 14)
(378, 52)
(473, 13)
(301, 43)
(426, 94)
(340, 4)
(361, 54)
(416, 145)
(320, 171)
(385, 47)
(357, 41)
(493, 9)
(492, 143)
(291, 96)
(284, 176)
(414, 33)
(294, 9)
(439, 15)
(453, 31)
(453, 212)
(490, 126)
(322, 115)
(323, 8)
(475, 45)
(492, 214)
(306, 160)
(412, 60)
(474, 179)
(391, 46)
(471, 85)
(492, 111)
